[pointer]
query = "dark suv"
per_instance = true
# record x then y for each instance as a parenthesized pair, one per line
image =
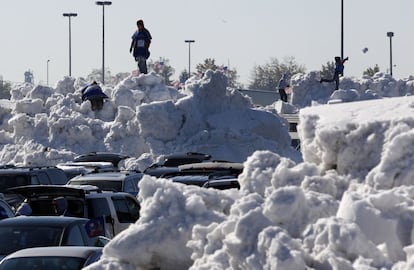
(12, 176)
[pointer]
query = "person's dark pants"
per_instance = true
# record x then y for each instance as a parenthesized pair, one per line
(142, 64)
(335, 79)
(96, 104)
(283, 95)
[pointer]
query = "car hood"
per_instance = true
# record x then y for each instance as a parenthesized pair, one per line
(48, 190)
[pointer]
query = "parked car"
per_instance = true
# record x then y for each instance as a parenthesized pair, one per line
(120, 181)
(17, 233)
(201, 173)
(13, 176)
(56, 258)
(73, 169)
(222, 183)
(120, 209)
(171, 162)
(114, 158)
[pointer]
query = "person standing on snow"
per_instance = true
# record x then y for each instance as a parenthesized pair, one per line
(339, 70)
(282, 85)
(140, 44)
(93, 92)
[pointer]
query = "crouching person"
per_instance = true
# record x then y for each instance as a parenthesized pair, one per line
(93, 92)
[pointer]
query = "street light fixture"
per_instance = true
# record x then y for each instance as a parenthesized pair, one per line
(103, 4)
(189, 41)
(70, 15)
(390, 35)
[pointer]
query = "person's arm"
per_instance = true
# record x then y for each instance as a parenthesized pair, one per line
(132, 45)
(149, 38)
(346, 59)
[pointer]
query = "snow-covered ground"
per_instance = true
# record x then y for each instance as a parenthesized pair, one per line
(345, 203)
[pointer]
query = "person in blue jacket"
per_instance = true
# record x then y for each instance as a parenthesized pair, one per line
(141, 40)
(339, 70)
(93, 92)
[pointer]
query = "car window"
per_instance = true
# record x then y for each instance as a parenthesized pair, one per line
(43, 178)
(9, 181)
(74, 237)
(16, 238)
(34, 180)
(129, 186)
(49, 262)
(5, 210)
(127, 210)
(57, 176)
(98, 207)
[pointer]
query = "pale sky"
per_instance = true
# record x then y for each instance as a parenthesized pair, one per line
(241, 33)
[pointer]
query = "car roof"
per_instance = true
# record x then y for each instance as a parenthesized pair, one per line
(222, 182)
(60, 251)
(212, 166)
(48, 190)
(22, 169)
(114, 158)
(40, 221)
(107, 176)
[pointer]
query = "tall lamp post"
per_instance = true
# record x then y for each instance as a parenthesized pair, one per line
(189, 41)
(47, 72)
(103, 4)
(342, 29)
(390, 35)
(70, 15)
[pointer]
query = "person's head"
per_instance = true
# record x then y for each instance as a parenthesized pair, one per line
(140, 24)
(337, 58)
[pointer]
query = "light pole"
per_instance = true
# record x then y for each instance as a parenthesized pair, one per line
(189, 41)
(390, 35)
(47, 72)
(342, 29)
(70, 15)
(103, 4)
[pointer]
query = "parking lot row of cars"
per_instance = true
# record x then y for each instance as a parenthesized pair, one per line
(86, 202)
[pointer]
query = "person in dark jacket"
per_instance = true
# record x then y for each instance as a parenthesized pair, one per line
(339, 70)
(140, 44)
(282, 85)
(93, 92)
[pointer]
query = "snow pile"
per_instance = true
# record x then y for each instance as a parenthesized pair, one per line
(48, 126)
(349, 205)
(307, 90)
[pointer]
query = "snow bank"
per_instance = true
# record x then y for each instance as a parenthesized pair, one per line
(349, 205)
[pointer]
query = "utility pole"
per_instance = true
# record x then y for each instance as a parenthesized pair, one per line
(189, 41)
(103, 4)
(70, 15)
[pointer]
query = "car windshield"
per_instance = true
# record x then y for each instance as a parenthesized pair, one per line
(9, 181)
(19, 237)
(67, 263)
(101, 184)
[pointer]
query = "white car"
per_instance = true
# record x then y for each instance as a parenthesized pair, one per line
(119, 209)
(63, 257)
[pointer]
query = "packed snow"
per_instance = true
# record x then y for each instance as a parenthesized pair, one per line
(345, 202)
